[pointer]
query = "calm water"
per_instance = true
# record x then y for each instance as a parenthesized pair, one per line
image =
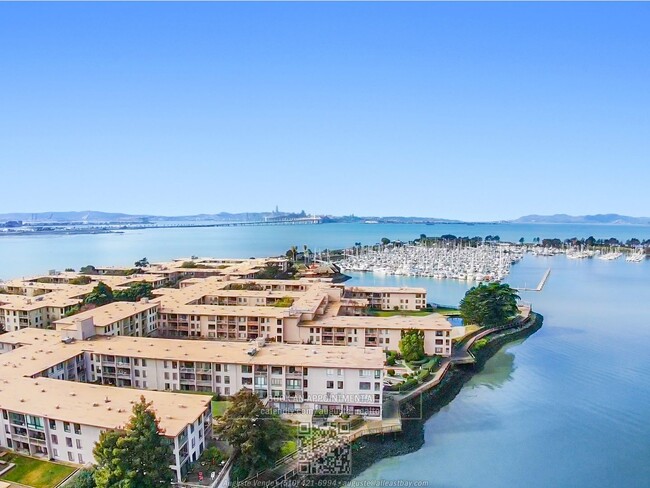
(24, 255)
(568, 407)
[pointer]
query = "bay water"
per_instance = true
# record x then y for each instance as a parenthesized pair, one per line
(567, 407)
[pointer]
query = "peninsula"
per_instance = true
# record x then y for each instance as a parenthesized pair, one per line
(312, 350)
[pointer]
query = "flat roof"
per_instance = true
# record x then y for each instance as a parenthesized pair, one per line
(86, 404)
(274, 354)
(434, 321)
(386, 289)
(108, 314)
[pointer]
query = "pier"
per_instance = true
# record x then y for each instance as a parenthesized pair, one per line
(541, 283)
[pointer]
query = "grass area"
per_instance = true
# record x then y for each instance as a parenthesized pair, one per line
(288, 447)
(449, 312)
(394, 313)
(218, 408)
(34, 472)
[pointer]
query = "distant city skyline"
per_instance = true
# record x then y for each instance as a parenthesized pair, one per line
(468, 111)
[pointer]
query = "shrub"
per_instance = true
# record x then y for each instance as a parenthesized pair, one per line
(480, 344)
(391, 361)
(345, 416)
(405, 375)
(391, 372)
(423, 375)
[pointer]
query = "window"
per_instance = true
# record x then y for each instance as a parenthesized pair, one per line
(52, 424)
(77, 429)
(55, 439)
(68, 441)
(330, 385)
(246, 369)
(330, 372)
(70, 457)
(364, 385)
(339, 372)
(226, 380)
(144, 362)
(340, 385)
(78, 443)
(81, 458)
(166, 375)
(66, 426)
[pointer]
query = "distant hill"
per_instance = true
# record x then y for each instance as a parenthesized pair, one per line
(582, 219)
(92, 216)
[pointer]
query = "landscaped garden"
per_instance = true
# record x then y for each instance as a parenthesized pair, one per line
(219, 407)
(35, 472)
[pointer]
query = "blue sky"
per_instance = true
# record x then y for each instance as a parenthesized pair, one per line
(474, 111)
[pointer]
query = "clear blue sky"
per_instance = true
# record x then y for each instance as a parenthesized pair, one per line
(469, 111)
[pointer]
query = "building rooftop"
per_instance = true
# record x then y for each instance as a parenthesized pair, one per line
(237, 352)
(100, 406)
(433, 321)
(385, 289)
(107, 314)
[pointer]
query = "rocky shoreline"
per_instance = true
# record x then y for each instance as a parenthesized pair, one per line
(366, 451)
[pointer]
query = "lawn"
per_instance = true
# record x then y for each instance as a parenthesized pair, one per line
(34, 472)
(449, 312)
(218, 408)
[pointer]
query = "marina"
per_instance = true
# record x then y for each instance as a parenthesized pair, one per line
(441, 261)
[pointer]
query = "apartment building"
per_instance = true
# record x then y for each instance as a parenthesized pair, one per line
(48, 410)
(291, 377)
(19, 312)
(117, 318)
(383, 332)
(389, 298)
(313, 312)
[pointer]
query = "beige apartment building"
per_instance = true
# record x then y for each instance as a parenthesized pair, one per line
(118, 318)
(47, 408)
(389, 298)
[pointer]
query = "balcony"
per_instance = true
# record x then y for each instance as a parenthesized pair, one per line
(187, 370)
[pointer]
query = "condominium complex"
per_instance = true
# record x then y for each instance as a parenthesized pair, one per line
(211, 327)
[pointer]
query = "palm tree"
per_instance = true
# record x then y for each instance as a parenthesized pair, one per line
(294, 251)
(305, 254)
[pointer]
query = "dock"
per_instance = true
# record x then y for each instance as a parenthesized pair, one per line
(541, 284)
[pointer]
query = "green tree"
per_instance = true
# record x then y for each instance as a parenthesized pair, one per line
(134, 292)
(142, 263)
(88, 269)
(84, 479)
(101, 295)
(138, 457)
(256, 432)
(385, 241)
(521, 240)
(489, 305)
(412, 345)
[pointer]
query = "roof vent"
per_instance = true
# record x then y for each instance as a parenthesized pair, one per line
(107, 400)
(73, 394)
(95, 404)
